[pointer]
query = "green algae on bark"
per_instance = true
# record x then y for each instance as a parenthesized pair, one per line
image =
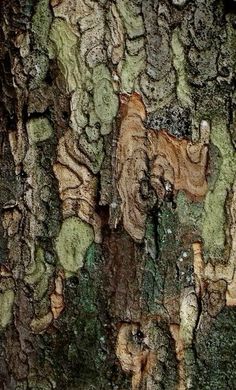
(132, 67)
(6, 305)
(105, 99)
(130, 14)
(74, 239)
(39, 129)
(41, 22)
(214, 217)
(64, 47)
(38, 274)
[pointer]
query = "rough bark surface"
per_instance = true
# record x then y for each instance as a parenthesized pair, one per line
(117, 194)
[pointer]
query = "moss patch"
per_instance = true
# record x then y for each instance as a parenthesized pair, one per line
(41, 22)
(74, 239)
(216, 352)
(39, 129)
(132, 67)
(130, 14)
(214, 217)
(38, 274)
(64, 47)
(105, 100)
(6, 304)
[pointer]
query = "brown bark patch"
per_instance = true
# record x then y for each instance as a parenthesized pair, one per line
(147, 160)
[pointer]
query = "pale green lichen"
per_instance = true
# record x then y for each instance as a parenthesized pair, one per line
(183, 90)
(35, 271)
(37, 62)
(131, 69)
(93, 130)
(79, 106)
(94, 133)
(39, 129)
(74, 239)
(135, 46)
(105, 99)
(65, 48)
(38, 274)
(130, 14)
(214, 218)
(6, 304)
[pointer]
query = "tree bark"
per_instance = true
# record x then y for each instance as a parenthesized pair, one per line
(117, 194)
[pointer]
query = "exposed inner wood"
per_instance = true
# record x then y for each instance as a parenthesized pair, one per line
(172, 164)
(135, 356)
(77, 184)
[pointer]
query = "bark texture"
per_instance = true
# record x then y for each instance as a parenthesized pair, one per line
(117, 194)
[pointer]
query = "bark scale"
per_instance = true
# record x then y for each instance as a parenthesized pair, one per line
(117, 194)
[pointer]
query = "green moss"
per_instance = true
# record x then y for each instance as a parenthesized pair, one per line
(132, 19)
(132, 67)
(216, 352)
(91, 257)
(105, 100)
(183, 91)
(214, 218)
(74, 239)
(39, 129)
(41, 22)
(6, 304)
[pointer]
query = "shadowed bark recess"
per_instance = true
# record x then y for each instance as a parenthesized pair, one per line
(117, 194)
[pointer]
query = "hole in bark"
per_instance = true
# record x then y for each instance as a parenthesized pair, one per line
(103, 212)
(139, 336)
(97, 126)
(48, 78)
(73, 281)
(65, 115)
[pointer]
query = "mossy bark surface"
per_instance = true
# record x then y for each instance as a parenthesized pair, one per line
(117, 194)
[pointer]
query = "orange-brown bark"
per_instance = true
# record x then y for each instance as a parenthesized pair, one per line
(173, 164)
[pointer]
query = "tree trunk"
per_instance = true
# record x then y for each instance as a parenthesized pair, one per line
(118, 194)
